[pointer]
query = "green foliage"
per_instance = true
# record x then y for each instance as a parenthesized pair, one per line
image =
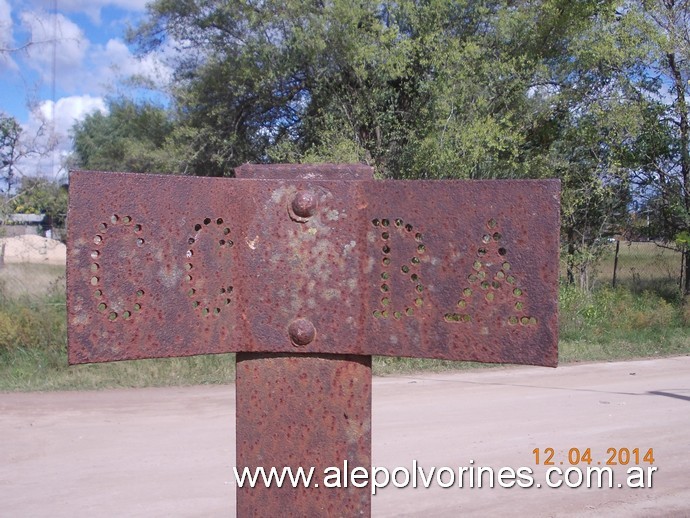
(36, 323)
(131, 137)
(657, 79)
(607, 314)
(608, 325)
(683, 239)
(41, 196)
(431, 89)
(10, 151)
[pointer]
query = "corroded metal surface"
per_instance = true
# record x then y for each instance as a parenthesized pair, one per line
(321, 271)
(162, 266)
(304, 411)
(296, 410)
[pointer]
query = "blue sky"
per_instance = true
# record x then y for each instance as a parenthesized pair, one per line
(78, 46)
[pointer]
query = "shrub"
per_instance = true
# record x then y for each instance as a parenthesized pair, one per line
(610, 310)
(36, 324)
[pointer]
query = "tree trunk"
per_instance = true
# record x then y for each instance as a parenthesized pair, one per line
(584, 277)
(682, 112)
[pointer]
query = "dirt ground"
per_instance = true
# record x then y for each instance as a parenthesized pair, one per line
(170, 452)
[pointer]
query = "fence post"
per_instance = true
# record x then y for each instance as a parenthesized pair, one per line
(682, 281)
(615, 262)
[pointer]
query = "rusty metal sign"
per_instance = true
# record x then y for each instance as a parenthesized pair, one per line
(162, 266)
(306, 278)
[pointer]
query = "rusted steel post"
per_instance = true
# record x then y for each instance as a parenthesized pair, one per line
(303, 411)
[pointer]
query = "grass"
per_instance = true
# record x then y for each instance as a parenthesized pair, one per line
(33, 343)
(30, 369)
(26, 281)
(621, 323)
(391, 366)
(641, 266)
(608, 324)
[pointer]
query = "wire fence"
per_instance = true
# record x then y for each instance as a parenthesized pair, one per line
(641, 265)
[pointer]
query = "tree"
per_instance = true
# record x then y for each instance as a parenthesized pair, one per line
(16, 146)
(131, 137)
(437, 89)
(42, 196)
(13, 149)
(417, 89)
(658, 74)
(592, 92)
(11, 152)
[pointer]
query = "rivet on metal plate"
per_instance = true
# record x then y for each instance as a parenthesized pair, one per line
(301, 331)
(304, 205)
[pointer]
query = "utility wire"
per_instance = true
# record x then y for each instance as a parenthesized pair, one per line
(53, 88)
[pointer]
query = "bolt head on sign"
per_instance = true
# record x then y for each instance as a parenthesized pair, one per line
(304, 204)
(302, 332)
(162, 266)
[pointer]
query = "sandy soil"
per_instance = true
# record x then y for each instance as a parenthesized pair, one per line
(33, 249)
(170, 452)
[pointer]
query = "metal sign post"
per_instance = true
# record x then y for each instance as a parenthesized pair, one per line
(306, 272)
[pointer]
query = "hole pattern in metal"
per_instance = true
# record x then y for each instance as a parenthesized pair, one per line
(109, 234)
(396, 233)
(491, 284)
(207, 300)
(378, 268)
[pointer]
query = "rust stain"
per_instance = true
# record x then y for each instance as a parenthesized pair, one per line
(303, 410)
(337, 267)
(459, 270)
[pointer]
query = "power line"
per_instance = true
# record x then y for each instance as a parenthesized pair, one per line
(53, 88)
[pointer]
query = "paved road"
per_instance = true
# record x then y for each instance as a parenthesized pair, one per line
(169, 452)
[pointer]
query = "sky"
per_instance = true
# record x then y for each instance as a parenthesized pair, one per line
(77, 58)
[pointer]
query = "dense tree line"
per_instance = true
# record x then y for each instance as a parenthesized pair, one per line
(594, 92)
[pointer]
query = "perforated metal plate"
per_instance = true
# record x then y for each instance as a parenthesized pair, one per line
(162, 266)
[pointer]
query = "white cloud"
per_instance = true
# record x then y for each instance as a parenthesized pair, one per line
(115, 60)
(6, 39)
(50, 123)
(5, 24)
(85, 71)
(83, 5)
(93, 8)
(80, 65)
(68, 110)
(54, 34)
